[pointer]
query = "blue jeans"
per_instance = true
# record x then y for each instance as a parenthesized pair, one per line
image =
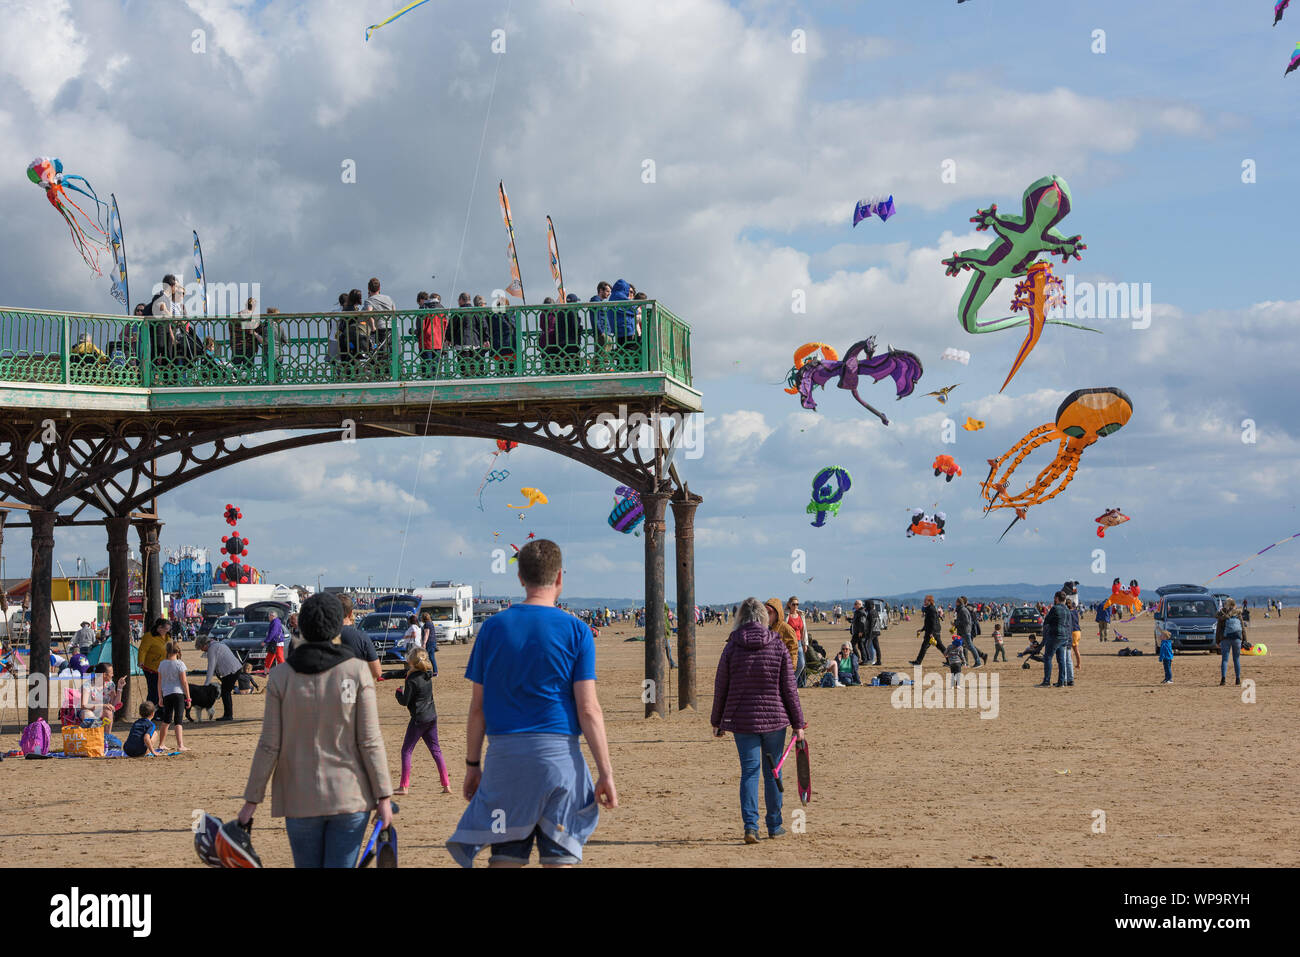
(800, 678)
(1232, 646)
(752, 747)
(1058, 650)
(1067, 668)
(332, 840)
(1169, 670)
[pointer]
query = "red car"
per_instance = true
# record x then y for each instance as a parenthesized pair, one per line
(946, 465)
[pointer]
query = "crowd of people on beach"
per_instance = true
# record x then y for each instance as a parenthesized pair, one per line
(532, 671)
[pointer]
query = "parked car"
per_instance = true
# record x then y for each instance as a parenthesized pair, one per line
(223, 625)
(1188, 619)
(246, 641)
(1024, 621)
(385, 629)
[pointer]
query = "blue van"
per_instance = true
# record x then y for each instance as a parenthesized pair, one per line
(1188, 618)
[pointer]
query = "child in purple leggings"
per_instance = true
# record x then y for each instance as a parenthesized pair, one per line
(417, 696)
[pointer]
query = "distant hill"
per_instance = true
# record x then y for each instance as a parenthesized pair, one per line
(1016, 593)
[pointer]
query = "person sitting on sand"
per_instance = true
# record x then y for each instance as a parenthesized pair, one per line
(143, 736)
(846, 666)
(245, 682)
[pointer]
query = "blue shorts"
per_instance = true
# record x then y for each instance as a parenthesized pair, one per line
(548, 852)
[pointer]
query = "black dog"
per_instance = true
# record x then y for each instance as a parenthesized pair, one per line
(203, 697)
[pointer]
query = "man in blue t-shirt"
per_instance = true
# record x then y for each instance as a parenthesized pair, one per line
(533, 667)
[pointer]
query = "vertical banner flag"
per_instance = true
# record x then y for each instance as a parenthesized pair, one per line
(120, 292)
(554, 249)
(198, 272)
(516, 287)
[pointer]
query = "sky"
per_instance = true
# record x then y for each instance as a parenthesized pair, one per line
(765, 123)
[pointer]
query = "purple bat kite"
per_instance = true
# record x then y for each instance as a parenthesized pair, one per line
(903, 367)
(866, 208)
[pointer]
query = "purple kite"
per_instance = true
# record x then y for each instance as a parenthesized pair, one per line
(866, 208)
(903, 367)
(1279, 8)
(1295, 59)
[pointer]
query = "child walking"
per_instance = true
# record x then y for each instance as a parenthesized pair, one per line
(417, 696)
(999, 648)
(1166, 657)
(956, 658)
(174, 687)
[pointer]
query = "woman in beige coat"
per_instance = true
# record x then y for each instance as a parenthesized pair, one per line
(321, 738)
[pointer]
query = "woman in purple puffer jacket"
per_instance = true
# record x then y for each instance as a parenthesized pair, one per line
(754, 698)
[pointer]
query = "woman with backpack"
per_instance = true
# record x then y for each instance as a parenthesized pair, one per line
(1229, 633)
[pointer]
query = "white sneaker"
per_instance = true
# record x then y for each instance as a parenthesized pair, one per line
(1167, 681)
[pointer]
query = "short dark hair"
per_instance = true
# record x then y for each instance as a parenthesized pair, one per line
(373, 285)
(1058, 597)
(158, 623)
(146, 709)
(345, 603)
(603, 285)
(102, 668)
(343, 299)
(539, 563)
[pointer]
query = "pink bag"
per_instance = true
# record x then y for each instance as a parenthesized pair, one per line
(35, 738)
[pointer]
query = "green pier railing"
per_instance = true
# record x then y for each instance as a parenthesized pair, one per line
(590, 338)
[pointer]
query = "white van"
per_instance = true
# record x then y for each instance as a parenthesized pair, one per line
(450, 606)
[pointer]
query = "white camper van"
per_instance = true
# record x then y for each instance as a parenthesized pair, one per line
(450, 605)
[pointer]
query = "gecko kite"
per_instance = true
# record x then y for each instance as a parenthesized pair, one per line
(1021, 239)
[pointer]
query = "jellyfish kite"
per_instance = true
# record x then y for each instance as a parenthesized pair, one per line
(1109, 519)
(628, 512)
(903, 367)
(1085, 416)
(47, 173)
(825, 497)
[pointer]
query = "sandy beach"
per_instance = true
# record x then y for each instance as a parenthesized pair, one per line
(1186, 775)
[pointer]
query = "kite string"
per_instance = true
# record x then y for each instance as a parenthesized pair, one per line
(1251, 558)
(428, 412)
